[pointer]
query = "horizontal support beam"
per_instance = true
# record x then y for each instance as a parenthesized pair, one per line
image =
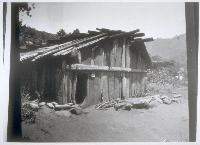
(83, 67)
(125, 33)
(104, 30)
(142, 40)
(138, 35)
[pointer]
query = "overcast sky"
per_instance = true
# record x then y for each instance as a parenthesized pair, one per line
(158, 20)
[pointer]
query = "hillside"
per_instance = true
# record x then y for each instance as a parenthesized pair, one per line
(171, 49)
(30, 38)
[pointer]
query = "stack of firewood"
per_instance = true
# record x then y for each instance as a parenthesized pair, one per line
(137, 103)
(106, 105)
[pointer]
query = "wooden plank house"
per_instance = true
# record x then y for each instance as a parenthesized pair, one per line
(88, 67)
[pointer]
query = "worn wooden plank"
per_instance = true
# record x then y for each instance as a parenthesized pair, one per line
(69, 88)
(127, 75)
(107, 50)
(97, 89)
(105, 86)
(120, 87)
(102, 56)
(64, 88)
(112, 53)
(59, 77)
(92, 57)
(127, 56)
(124, 52)
(74, 88)
(86, 55)
(98, 56)
(79, 56)
(111, 85)
(118, 55)
(123, 86)
(134, 58)
(116, 85)
(133, 85)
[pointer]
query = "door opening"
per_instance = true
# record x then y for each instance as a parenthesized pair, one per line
(81, 88)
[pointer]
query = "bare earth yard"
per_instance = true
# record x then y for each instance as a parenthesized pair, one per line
(160, 123)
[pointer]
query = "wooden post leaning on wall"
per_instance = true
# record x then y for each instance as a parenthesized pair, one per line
(192, 38)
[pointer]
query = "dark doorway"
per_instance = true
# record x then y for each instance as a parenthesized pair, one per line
(81, 88)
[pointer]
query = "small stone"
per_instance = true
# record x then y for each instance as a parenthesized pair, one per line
(41, 104)
(54, 103)
(177, 96)
(50, 105)
(75, 111)
(34, 106)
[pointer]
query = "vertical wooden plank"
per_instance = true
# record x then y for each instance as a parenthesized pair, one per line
(123, 86)
(116, 85)
(74, 88)
(123, 65)
(105, 57)
(97, 89)
(123, 52)
(133, 84)
(112, 53)
(144, 82)
(115, 43)
(127, 85)
(102, 57)
(133, 55)
(58, 85)
(86, 55)
(119, 53)
(79, 57)
(87, 98)
(64, 88)
(70, 87)
(127, 55)
(91, 98)
(120, 86)
(111, 85)
(101, 84)
(98, 56)
(105, 86)
(92, 57)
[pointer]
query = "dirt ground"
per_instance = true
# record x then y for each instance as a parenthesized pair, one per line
(160, 123)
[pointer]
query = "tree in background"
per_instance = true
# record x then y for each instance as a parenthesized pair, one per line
(76, 31)
(61, 33)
